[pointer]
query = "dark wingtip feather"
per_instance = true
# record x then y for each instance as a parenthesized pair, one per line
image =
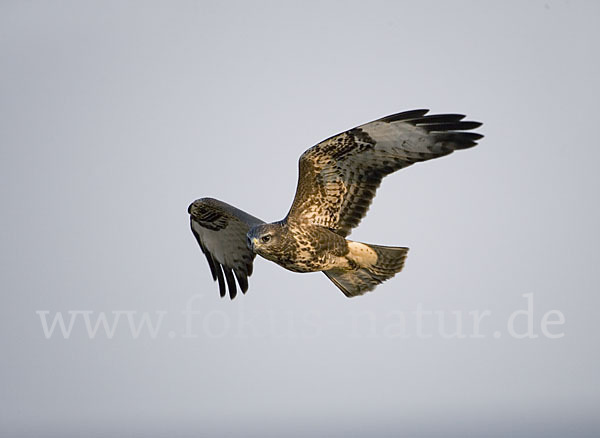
(242, 280)
(473, 135)
(405, 115)
(230, 283)
(460, 140)
(449, 126)
(441, 118)
(221, 279)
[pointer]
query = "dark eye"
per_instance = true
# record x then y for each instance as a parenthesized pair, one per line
(265, 239)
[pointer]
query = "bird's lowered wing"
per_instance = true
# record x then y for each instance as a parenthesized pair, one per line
(220, 230)
(339, 176)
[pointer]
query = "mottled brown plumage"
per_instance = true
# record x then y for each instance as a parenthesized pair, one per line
(337, 181)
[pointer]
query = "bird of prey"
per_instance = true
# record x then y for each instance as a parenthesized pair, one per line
(336, 185)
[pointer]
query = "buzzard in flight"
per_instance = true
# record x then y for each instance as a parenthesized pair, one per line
(337, 182)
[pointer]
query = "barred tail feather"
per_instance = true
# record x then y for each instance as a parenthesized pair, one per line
(370, 270)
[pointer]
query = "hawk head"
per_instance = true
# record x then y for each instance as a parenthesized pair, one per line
(267, 240)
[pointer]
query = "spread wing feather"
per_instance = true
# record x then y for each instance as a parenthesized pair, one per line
(338, 177)
(220, 230)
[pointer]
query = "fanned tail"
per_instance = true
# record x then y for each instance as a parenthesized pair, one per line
(375, 264)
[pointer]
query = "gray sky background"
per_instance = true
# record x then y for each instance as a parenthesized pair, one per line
(116, 115)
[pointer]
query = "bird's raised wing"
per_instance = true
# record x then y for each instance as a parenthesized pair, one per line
(339, 176)
(220, 230)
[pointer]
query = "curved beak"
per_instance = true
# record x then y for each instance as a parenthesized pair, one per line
(251, 242)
